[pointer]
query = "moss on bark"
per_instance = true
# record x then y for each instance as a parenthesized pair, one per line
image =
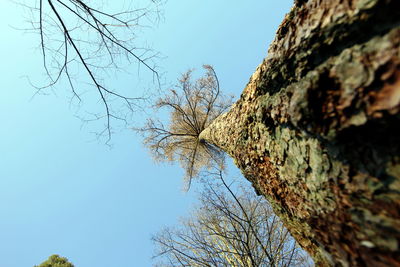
(317, 132)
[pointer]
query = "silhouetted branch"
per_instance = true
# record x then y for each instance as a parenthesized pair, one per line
(76, 32)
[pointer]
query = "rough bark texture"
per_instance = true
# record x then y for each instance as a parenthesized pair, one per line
(317, 130)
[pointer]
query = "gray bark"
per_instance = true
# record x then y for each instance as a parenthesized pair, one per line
(317, 130)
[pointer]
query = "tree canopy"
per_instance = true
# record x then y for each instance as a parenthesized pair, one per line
(192, 106)
(55, 261)
(229, 228)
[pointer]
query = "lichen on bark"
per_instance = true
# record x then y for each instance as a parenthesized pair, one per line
(316, 130)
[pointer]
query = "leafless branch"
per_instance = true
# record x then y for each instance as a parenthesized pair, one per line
(229, 229)
(192, 106)
(74, 34)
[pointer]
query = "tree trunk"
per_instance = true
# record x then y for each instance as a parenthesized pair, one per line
(317, 130)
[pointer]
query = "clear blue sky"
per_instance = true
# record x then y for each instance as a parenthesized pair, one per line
(60, 192)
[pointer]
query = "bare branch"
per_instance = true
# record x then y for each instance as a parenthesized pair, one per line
(192, 106)
(229, 229)
(75, 34)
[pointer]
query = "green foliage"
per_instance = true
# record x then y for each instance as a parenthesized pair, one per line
(56, 261)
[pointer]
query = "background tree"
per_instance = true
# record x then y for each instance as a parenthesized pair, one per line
(192, 106)
(229, 229)
(55, 261)
(82, 37)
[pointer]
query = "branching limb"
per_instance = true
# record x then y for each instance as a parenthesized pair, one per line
(192, 106)
(75, 35)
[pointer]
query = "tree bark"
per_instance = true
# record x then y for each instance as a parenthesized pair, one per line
(317, 130)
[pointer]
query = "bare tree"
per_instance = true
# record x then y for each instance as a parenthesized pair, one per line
(78, 36)
(229, 229)
(192, 106)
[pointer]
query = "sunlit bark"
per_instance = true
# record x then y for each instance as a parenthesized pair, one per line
(317, 132)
